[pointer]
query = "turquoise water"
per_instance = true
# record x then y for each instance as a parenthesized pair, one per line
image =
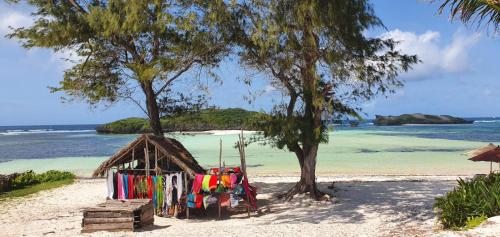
(366, 150)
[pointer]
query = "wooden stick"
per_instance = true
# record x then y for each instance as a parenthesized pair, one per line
(156, 160)
(133, 157)
(244, 167)
(187, 192)
(220, 167)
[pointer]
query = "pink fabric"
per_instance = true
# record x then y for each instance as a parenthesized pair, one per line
(198, 180)
(121, 193)
(233, 179)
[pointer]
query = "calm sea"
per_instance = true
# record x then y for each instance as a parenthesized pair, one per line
(366, 149)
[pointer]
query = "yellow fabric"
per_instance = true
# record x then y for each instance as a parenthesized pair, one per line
(205, 183)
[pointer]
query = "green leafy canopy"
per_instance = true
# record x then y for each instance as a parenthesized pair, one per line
(124, 45)
(320, 55)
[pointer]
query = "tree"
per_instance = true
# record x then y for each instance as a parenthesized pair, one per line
(175, 104)
(318, 54)
(126, 48)
(474, 10)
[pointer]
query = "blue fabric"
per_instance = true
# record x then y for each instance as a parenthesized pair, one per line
(155, 180)
(125, 185)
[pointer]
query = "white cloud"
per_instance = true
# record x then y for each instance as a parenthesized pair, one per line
(13, 19)
(436, 59)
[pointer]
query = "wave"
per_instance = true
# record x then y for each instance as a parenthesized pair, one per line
(487, 121)
(40, 131)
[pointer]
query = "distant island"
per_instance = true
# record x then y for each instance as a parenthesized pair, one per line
(206, 119)
(418, 119)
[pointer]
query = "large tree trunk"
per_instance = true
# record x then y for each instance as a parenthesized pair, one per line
(152, 107)
(307, 182)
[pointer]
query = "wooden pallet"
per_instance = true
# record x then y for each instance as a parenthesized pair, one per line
(118, 215)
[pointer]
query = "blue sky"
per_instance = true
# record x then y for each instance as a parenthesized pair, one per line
(458, 76)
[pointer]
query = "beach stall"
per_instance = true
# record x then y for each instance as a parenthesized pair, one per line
(154, 168)
(162, 170)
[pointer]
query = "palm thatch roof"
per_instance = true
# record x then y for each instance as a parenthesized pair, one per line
(491, 155)
(481, 150)
(168, 153)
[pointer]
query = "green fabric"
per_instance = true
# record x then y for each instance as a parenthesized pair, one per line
(205, 183)
(159, 193)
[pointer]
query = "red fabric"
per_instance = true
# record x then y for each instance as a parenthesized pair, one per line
(150, 187)
(198, 180)
(250, 192)
(225, 200)
(236, 170)
(213, 182)
(198, 200)
(130, 186)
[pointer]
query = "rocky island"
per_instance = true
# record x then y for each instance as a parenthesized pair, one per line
(418, 119)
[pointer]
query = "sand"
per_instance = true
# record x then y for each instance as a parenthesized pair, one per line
(372, 207)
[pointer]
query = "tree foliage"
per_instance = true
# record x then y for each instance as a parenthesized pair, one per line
(318, 53)
(472, 11)
(125, 49)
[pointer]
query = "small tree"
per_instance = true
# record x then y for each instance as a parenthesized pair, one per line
(318, 53)
(127, 48)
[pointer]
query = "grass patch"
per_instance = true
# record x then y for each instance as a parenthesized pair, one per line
(35, 188)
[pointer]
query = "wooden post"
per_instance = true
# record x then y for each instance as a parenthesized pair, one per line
(146, 157)
(133, 157)
(187, 192)
(220, 172)
(241, 148)
(156, 160)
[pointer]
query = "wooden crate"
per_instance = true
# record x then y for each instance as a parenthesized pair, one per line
(118, 215)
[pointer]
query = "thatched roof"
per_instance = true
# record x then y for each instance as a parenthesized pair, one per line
(168, 149)
(492, 155)
(481, 150)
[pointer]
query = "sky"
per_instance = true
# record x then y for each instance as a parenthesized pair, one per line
(458, 74)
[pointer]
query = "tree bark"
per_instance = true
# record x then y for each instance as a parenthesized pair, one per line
(152, 107)
(311, 128)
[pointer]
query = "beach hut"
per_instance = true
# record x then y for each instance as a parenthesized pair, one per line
(489, 153)
(150, 154)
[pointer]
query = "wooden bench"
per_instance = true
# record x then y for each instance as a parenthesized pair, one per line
(118, 215)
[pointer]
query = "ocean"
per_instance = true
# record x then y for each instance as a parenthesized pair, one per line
(363, 150)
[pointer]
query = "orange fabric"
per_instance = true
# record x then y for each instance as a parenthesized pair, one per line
(226, 181)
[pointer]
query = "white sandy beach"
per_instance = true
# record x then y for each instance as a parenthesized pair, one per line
(398, 206)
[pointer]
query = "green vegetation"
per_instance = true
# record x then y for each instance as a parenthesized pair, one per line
(206, 119)
(29, 182)
(34, 189)
(470, 203)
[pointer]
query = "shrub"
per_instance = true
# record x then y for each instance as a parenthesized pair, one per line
(471, 200)
(54, 175)
(31, 178)
(24, 179)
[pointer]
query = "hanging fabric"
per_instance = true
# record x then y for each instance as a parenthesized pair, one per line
(130, 186)
(109, 182)
(197, 182)
(121, 193)
(115, 186)
(125, 186)
(180, 185)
